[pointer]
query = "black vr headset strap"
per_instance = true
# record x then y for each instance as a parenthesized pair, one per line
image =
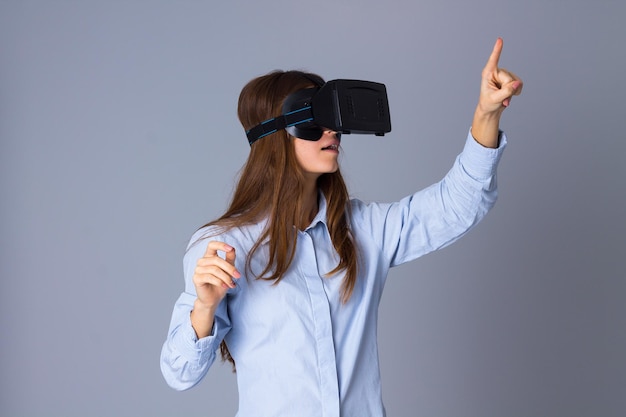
(292, 118)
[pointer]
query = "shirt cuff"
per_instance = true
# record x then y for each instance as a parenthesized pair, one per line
(194, 349)
(481, 162)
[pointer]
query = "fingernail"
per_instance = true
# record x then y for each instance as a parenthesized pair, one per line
(236, 274)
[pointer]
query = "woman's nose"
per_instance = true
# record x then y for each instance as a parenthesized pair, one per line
(332, 133)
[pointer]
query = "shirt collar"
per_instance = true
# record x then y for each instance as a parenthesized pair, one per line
(320, 217)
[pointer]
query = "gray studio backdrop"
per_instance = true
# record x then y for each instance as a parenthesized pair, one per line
(119, 137)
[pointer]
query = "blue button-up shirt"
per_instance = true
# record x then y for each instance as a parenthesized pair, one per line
(299, 350)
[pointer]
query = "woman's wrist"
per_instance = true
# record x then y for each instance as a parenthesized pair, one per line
(486, 127)
(202, 317)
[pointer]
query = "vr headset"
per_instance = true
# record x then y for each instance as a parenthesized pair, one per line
(343, 106)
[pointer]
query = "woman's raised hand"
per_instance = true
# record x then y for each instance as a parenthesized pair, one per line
(497, 87)
(498, 84)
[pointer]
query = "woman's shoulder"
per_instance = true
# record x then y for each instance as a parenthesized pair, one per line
(240, 235)
(360, 207)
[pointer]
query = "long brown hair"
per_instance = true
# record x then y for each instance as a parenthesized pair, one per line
(271, 186)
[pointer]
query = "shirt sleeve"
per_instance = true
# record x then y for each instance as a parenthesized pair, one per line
(185, 359)
(438, 215)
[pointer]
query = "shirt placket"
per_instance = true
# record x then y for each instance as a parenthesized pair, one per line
(320, 307)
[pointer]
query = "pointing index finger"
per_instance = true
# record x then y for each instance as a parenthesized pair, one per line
(492, 63)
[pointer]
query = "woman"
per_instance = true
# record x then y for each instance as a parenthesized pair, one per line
(293, 301)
